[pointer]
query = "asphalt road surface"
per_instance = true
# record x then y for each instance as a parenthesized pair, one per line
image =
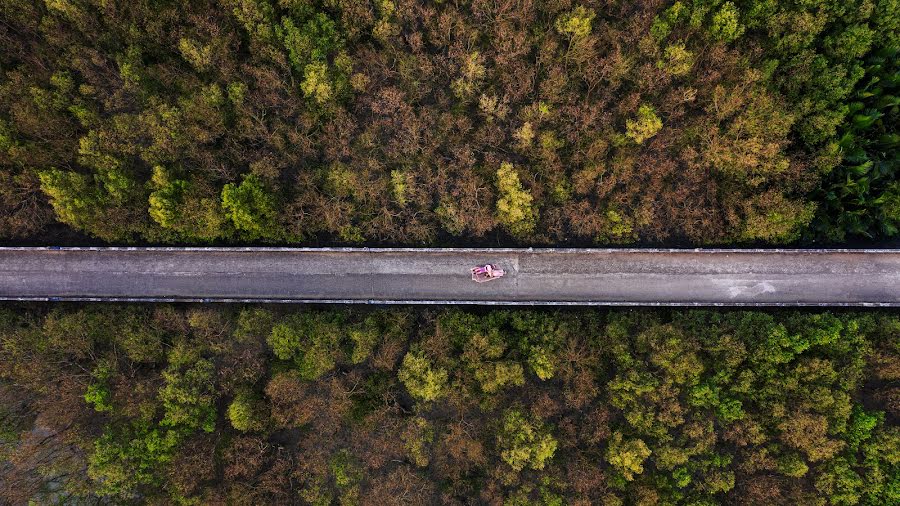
(549, 276)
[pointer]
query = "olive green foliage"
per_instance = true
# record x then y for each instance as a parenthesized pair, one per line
(98, 392)
(507, 406)
(524, 442)
(627, 456)
(247, 412)
(575, 24)
(515, 209)
(421, 378)
(177, 207)
(129, 457)
(677, 60)
(310, 340)
(862, 195)
(188, 396)
(725, 24)
(252, 208)
(644, 126)
(309, 46)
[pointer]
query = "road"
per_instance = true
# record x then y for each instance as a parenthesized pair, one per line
(550, 276)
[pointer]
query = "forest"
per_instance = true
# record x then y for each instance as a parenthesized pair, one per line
(184, 404)
(448, 123)
(413, 122)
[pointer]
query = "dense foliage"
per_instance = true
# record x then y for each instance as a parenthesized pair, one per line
(409, 121)
(189, 405)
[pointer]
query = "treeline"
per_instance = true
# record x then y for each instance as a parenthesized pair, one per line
(411, 122)
(191, 405)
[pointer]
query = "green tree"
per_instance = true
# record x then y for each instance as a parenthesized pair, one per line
(311, 340)
(726, 24)
(252, 208)
(644, 126)
(188, 395)
(575, 24)
(129, 457)
(421, 378)
(525, 441)
(514, 206)
(247, 412)
(175, 207)
(627, 456)
(677, 60)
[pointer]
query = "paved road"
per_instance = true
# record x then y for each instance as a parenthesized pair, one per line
(614, 277)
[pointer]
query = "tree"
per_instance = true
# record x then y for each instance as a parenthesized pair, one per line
(677, 60)
(575, 24)
(311, 340)
(627, 456)
(644, 126)
(175, 206)
(246, 412)
(421, 378)
(252, 208)
(188, 396)
(514, 206)
(128, 458)
(525, 441)
(725, 24)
